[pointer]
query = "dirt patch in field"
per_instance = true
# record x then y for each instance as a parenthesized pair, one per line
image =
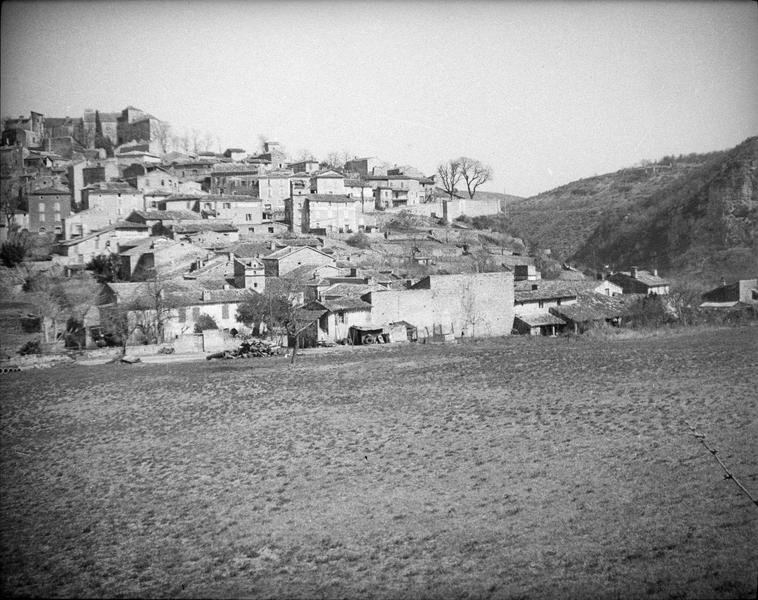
(503, 468)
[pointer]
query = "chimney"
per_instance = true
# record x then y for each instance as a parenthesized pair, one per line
(272, 245)
(723, 281)
(206, 295)
(633, 272)
(655, 272)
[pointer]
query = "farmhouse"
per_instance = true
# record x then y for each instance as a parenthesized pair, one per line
(593, 309)
(290, 257)
(479, 304)
(177, 305)
(637, 281)
(742, 291)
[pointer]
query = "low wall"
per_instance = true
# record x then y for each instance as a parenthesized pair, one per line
(455, 208)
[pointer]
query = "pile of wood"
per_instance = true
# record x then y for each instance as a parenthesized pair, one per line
(249, 349)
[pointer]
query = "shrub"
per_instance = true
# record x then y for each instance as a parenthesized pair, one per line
(31, 347)
(205, 322)
(12, 252)
(359, 240)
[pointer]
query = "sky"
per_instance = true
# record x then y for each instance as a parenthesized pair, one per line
(543, 92)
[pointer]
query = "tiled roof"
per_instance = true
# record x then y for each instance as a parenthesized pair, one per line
(112, 187)
(545, 289)
(340, 198)
(177, 294)
(287, 250)
(248, 249)
(328, 174)
(303, 274)
(170, 215)
(345, 304)
(230, 198)
(201, 226)
(593, 307)
(350, 290)
(645, 277)
(54, 189)
(540, 319)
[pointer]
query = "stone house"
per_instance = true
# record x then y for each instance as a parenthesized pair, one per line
(209, 234)
(287, 259)
(365, 166)
(235, 154)
(327, 181)
(150, 178)
(242, 211)
(181, 202)
(180, 303)
(729, 295)
(164, 218)
(273, 188)
(234, 178)
(337, 316)
(117, 199)
(593, 309)
(81, 249)
(638, 281)
(48, 207)
(326, 213)
(159, 254)
(470, 305)
(249, 273)
(396, 191)
(304, 166)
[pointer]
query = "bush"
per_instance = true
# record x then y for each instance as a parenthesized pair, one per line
(205, 322)
(12, 252)
(31, 347)
(359, 240)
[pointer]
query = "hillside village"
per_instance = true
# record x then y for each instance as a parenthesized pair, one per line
(177, 249)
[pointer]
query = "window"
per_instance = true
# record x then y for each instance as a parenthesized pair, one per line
(340, 317)
(41, 207)
(182, 315)
(271, 230)
(42, 217)
(248, 217)
(541, 303)
(57, 206)
(224, 311)
(227, 205)
(195, 313)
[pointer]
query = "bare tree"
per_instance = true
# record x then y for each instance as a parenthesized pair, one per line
(163, 135)
(449, 174)
(278, 308)
(304, 154)
(474, 173)
(206, 142)
(11, 186)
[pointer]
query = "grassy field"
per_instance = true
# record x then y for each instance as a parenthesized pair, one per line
(509, 468)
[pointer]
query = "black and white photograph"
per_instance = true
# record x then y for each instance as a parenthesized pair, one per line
(345, 299)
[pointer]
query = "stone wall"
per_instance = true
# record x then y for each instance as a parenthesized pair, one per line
(469, 305)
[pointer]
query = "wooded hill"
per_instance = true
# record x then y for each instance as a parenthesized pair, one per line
(694, 216)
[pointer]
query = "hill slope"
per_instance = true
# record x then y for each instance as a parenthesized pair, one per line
(695, 214)
(704, 225)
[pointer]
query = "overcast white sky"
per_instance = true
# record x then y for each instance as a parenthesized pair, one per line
(546, 92)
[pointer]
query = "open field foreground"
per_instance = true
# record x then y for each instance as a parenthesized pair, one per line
(507, 468)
